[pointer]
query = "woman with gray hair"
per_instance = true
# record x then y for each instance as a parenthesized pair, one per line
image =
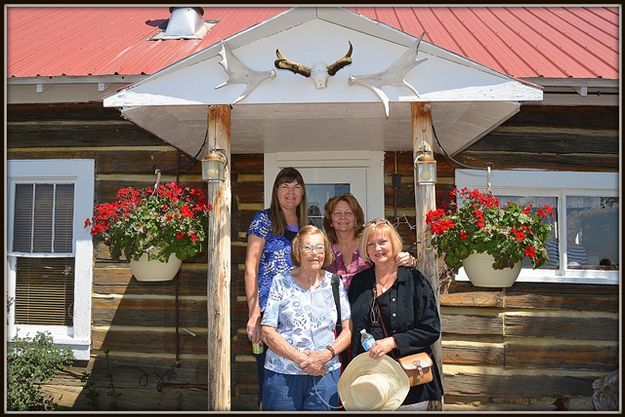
(301, 368)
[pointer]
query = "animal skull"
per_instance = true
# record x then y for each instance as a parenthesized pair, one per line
(319, 75)
(319, 72)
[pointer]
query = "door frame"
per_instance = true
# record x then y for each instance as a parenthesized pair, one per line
(371, 161)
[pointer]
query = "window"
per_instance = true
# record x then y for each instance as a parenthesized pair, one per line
(49, 250)
(584, 246)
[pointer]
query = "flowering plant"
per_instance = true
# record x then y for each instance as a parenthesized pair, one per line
(172, 219)
(507, 233)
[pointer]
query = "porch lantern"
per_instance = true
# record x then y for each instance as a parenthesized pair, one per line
(425, 164)
(214, 165)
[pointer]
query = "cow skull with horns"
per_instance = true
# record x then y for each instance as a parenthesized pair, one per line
(319, 72)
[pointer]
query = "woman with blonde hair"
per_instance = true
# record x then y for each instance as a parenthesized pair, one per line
(396, 305)
(301, 369)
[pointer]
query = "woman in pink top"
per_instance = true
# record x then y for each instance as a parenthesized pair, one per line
(343, 222)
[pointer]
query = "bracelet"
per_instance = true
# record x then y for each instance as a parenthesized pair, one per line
(331, 349)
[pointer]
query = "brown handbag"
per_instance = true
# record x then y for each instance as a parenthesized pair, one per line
(417, 366)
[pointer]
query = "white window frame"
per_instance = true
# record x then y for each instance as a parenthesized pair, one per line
(371, 161)
(81, 173)
(559, 184)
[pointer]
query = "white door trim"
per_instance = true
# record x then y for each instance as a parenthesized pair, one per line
(371, 161)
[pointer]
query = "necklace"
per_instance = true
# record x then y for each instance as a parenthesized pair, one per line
(390, 280)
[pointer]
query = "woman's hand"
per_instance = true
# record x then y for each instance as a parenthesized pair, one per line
(405, 259)
(315, 362)
(382, 347)
(253, 327)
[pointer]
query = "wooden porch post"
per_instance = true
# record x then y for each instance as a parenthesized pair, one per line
(425, 196)
(218, 277)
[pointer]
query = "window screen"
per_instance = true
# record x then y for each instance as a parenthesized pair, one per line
(43, 219)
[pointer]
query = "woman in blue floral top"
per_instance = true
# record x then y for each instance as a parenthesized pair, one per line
(302, 369)
(269, 249)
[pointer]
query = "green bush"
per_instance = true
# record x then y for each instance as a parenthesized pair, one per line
(31, 362)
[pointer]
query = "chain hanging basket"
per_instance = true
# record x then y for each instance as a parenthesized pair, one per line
(479, 269)
(154, 270)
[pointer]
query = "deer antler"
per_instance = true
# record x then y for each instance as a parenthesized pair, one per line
(284, 63)
(342, 62)
(239, 73)
(393, 75)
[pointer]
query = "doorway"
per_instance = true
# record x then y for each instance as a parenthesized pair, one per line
(327, 174)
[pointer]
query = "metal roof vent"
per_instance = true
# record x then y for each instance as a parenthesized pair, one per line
(184, 21)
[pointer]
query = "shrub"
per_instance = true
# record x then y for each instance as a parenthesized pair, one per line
(30, 362)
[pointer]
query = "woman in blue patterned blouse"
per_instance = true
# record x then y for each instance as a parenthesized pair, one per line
(302, 369)
(269, 249)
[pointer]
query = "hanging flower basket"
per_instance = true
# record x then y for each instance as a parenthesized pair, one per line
(154, 270)
(482, 226)
(167, 225)
(479, 269)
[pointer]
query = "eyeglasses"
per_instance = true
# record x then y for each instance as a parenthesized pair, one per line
(377, 221)
(373, 317)
(311, 248)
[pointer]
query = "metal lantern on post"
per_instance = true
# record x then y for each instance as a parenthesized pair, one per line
(214, 166)
(425, 164)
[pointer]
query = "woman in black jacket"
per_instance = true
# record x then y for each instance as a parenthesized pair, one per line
(406, 302)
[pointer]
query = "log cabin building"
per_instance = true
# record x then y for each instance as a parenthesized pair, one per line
(101, 97)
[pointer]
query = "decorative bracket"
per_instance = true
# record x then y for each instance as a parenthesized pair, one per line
(393, 75)
(239, 73)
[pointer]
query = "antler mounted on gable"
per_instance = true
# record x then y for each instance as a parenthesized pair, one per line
(239, 73)
(393, 75)
(319, 72)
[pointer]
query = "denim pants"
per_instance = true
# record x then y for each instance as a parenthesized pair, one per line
(300, 392)
(260, 373)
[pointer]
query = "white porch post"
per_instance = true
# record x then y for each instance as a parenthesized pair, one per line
(425, 196)
(218, 277)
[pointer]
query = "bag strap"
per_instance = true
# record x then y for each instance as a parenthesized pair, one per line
(335, 291)
(381, 319)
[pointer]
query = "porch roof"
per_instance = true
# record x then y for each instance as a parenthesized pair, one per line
(285, 112)
(523, 42)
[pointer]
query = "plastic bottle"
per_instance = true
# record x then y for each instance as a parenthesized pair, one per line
(366, 339)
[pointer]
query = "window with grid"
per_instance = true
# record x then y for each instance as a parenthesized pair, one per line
(584, 244)
(49, 269)
(42, 235)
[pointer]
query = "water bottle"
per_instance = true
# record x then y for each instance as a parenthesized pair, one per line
(366, 339)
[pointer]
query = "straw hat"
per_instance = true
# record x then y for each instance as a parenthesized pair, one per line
(371, 384)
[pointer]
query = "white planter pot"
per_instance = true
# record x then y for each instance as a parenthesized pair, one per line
(479, 269)
(155, 270)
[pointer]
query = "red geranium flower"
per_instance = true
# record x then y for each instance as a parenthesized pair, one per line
(154, 222)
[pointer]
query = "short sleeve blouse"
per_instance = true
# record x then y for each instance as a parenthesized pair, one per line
(305, 318)
(276, 256)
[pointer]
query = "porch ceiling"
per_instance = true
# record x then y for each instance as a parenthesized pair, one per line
(259, 128)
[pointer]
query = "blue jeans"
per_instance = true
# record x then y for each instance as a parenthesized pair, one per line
(260, 370)
(300, 392)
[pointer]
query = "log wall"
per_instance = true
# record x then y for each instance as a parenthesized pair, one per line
(134, 363)
(529, 347)
(532, 347)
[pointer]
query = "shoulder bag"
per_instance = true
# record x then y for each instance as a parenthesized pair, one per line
(417, 366)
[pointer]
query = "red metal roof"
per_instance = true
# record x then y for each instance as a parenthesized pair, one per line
(552, 42)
